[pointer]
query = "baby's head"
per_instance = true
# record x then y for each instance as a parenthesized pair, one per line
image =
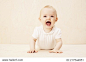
(48, 16)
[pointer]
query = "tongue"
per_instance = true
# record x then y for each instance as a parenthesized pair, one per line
(48, 24)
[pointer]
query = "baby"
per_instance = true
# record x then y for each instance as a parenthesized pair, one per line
(47, 35)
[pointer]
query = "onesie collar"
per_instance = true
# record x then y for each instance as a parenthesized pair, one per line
(51, 32)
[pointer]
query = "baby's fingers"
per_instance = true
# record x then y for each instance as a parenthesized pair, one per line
(28, 51)
(51, 51)
(36, 51)
(32, 51)
(59, 51)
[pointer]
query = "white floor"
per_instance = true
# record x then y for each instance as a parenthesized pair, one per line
(17, 50)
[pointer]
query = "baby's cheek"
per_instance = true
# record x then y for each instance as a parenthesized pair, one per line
(53, 23)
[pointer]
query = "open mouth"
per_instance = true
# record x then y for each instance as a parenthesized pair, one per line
(48, 23)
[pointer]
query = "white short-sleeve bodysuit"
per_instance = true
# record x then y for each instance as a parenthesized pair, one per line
(46, 40)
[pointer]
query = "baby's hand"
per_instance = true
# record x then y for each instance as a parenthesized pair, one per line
(32, 51)
(55, 51)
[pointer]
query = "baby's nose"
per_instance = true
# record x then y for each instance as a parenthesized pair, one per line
(48, 18)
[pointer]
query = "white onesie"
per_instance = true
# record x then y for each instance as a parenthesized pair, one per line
(46, 40)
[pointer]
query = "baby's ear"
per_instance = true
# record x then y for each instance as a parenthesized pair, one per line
(39, 19)
(56, 18)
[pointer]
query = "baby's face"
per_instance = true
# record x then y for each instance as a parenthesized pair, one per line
(48, 17)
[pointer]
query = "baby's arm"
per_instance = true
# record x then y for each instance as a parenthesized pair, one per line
(32, 46)
(57, 47)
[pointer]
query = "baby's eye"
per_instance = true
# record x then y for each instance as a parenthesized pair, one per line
(45, 16)
(52, 16)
